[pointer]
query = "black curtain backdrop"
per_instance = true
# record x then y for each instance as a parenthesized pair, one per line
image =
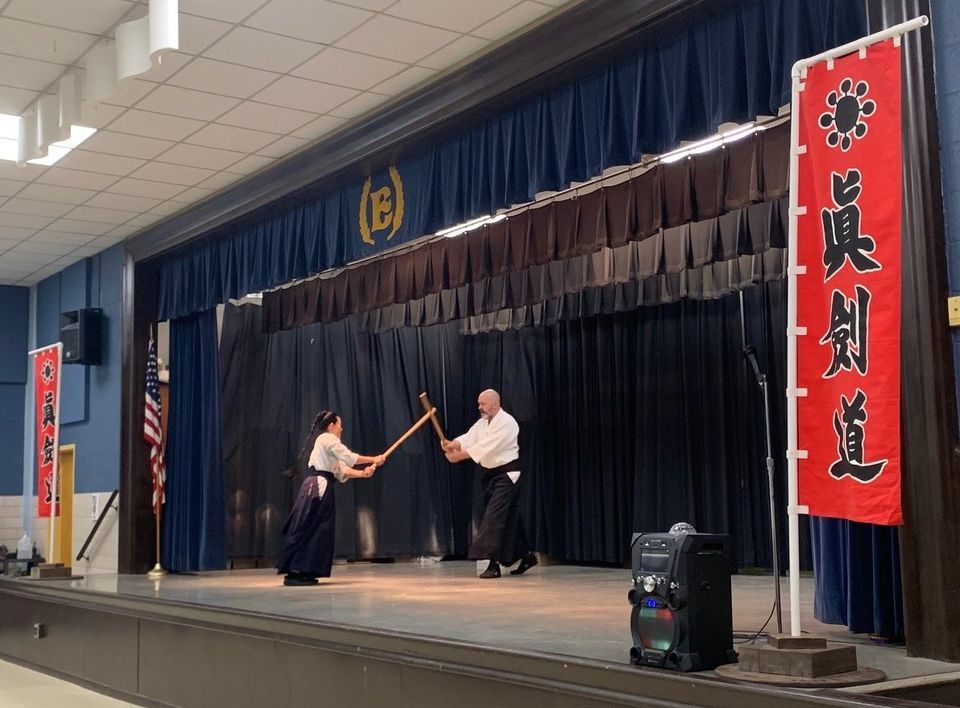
(629, 422)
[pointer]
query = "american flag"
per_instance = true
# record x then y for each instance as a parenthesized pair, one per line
(152, 431)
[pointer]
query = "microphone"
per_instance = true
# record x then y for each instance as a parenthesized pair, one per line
(750, 354)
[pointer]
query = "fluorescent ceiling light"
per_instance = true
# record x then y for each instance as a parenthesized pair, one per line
(711, 143)
(10, 137)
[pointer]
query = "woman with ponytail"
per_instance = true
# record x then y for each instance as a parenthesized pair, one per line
(309, 532)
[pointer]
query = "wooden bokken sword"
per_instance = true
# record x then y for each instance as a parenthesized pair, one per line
(432, 410)
(413, 428)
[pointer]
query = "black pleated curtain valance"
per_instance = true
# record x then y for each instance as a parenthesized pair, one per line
(695, 208)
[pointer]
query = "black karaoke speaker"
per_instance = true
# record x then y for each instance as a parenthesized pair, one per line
(682, 616)
(81, 333)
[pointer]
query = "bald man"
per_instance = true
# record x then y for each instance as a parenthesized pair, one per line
(492, 443)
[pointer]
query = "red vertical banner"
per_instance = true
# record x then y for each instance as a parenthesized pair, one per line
(46, 384)
(848, 300)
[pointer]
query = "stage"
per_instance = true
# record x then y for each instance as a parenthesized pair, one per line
(563, 629)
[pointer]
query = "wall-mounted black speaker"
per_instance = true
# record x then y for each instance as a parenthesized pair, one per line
(682, 616)
(81, 332)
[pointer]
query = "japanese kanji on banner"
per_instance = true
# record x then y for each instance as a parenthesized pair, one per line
(849, 183)
(46, 384)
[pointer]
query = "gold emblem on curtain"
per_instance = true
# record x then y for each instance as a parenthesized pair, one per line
(382, 209)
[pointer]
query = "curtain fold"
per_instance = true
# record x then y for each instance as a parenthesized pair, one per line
(510, 251)
(630, 421)
(857, 575)
(193, 518)
(732, 67)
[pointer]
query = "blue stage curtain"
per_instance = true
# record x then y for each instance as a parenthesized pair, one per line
(193, 521)
(857, 574)
(732, 67)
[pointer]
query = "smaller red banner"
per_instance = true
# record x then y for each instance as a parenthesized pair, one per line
(46, 383)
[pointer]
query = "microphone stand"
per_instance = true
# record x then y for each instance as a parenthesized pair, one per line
(750, 353)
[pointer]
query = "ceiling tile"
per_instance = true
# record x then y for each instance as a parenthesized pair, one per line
(9, 187)
(316, 128)
(124, 230)
(169, 64)
(73, 228)
(168, 208)
(108, 200)
(106, 241)
(88, 250)
(26, 173)
(284, 146)
(397, 39)
(229, 137)
(14, 100)
(6, 243)
(232, 11)
(338, 66)
(17, 205)
(405, 80)
(263, 50)
(260, 116)
(186, 103)
(194, 194)
(130, 91)
(456, 15)
(27, 73)
(33, 41)
(96, 162)
(15, 258)
(196, 156)
(51, 249)
(110, 143)
(102, 216)
(358, 105)
(221, 78)
(93, 16)
(198, 33)
(174, 174)
(65, 261)
(454, 52)
(146, 188)
(51, 193)
(145, 219)
(375, 5)
(23, 220)
(250, 164)
(511, 21)
(155, 125)
(15, 233)
(313, 20)
(15, 269)
(219, 180)
(305, 95)
(62, 177)
(98, 115)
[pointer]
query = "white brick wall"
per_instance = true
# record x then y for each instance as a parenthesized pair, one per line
(102, 553)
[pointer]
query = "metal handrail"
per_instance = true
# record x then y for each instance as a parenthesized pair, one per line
(103, 512)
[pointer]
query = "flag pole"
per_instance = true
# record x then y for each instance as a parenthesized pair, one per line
(157, 571)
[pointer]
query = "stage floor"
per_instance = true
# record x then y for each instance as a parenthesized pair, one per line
(561, 610)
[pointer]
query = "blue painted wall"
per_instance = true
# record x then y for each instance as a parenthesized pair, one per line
(90, 394)
(945, 21)
(14, 316)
